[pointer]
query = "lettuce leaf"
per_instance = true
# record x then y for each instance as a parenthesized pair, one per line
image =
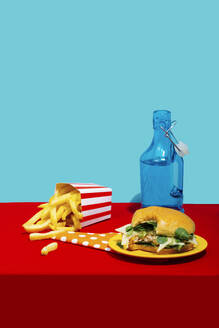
(119, 244)
(144, 243)
(182, 234)
(161, 239)
(145, 226)
(129, 228)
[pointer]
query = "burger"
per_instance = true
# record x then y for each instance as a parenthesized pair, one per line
(159, 230)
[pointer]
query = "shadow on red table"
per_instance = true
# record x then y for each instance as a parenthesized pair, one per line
(137, 260)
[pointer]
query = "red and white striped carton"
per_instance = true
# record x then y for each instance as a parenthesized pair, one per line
(96, 202)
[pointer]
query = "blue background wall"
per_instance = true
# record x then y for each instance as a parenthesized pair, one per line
(79, 81)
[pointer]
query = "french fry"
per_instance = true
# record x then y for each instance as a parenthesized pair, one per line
(76, 222)
(37, 227)
(40, 221)
(36, 217)
(73, 206)
(66, 212)
(45, 235)
(53, 217)
(30, 225)
(61, 199)
(60, 224)
(61, 213)
(49, 248)
(43, 205)
(65, 229)
(60, 229)
(50, 200)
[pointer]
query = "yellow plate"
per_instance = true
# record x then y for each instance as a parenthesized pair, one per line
(202, 245)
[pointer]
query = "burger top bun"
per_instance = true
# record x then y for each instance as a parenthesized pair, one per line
(168, 220)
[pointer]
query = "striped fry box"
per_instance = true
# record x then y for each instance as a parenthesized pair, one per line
(96, 201)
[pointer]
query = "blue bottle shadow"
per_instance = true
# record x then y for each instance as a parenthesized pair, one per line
(135, 203)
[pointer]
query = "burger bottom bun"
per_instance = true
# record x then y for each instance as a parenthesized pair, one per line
(152, 249)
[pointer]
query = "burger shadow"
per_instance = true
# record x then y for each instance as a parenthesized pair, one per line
(155, 262)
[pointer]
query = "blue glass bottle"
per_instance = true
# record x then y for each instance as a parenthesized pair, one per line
(161, 168)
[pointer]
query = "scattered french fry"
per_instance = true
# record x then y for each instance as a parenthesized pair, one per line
(41, 236)
(49, 248)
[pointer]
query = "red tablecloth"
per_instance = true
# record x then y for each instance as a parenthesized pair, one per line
(88, 286)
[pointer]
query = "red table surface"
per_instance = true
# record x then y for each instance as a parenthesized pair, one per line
(102, 285)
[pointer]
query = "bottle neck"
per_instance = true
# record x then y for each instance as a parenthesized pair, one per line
(162, 144)
(161, 150)
(159, 135)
